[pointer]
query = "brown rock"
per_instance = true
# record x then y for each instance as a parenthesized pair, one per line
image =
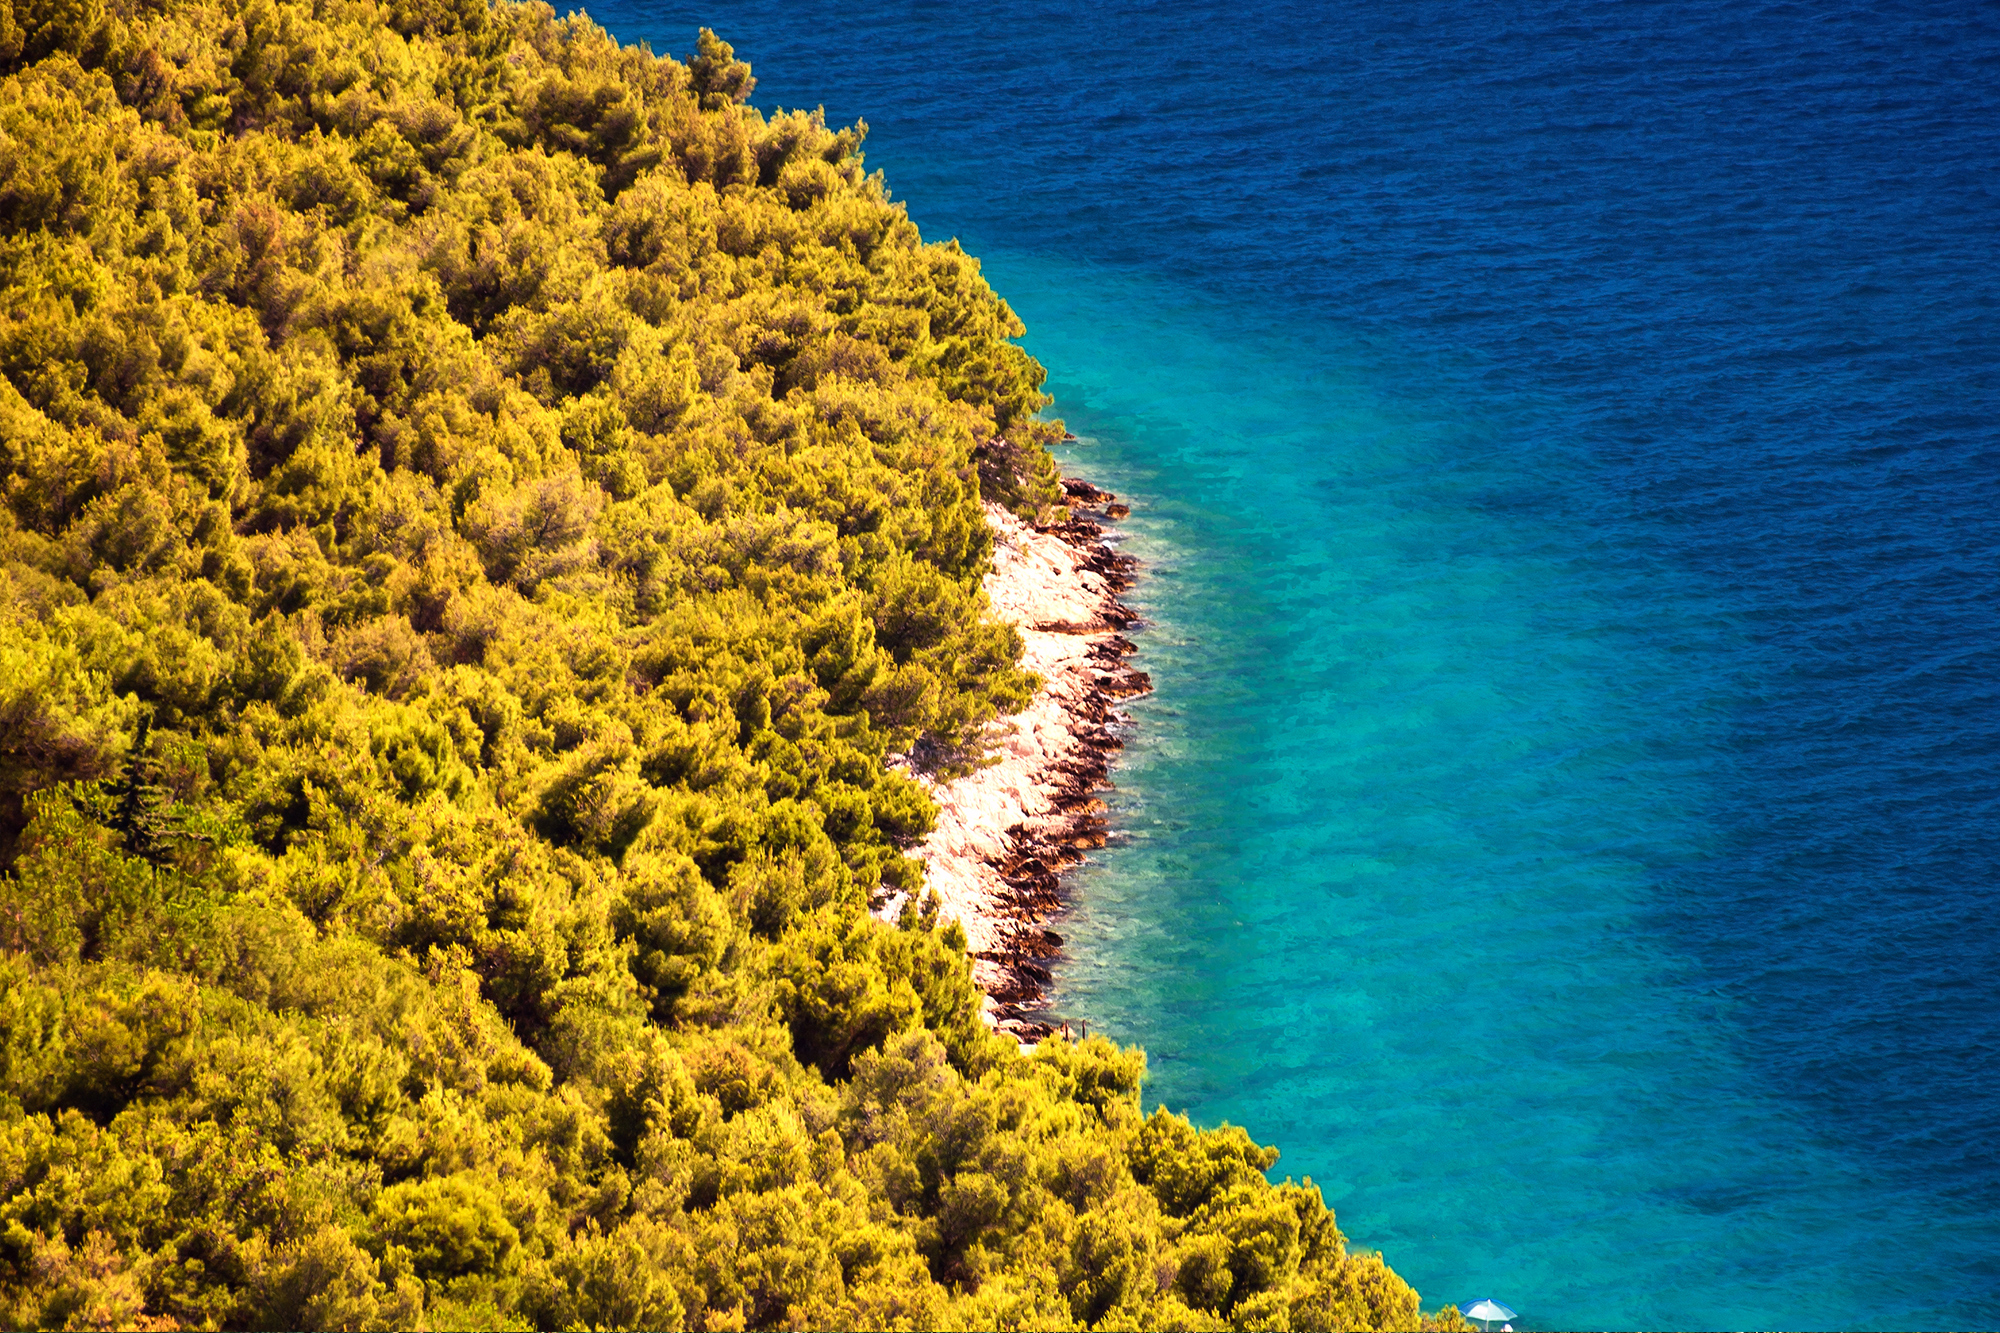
(1005, 831)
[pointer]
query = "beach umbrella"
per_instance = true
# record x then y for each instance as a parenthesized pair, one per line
(1487, 1311)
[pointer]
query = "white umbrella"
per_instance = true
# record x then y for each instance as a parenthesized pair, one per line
(1487, 1311)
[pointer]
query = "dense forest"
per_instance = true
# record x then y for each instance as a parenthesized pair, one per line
(481, 504)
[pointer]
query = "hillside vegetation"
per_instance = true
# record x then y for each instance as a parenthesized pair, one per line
(480, 504)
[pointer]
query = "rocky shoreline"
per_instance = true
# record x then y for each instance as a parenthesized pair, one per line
(1007, 831)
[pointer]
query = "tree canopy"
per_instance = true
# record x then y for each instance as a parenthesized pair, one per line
(481, 502)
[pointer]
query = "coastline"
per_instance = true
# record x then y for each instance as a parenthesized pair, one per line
(1006, 832)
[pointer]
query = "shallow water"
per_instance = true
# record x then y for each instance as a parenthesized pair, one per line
(1562, 440)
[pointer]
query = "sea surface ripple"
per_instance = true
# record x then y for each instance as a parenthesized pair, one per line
(1563, 439)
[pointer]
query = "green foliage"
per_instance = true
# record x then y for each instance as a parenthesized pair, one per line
(478, 506)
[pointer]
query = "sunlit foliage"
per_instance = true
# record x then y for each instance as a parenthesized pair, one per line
(480, 505)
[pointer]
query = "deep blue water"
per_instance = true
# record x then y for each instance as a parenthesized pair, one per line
(1563, 441)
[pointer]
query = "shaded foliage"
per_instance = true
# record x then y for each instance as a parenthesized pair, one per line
(480, 505)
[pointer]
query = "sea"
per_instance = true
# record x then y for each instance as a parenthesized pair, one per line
(1563, 442)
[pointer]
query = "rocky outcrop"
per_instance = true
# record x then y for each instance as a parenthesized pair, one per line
(1007, 831)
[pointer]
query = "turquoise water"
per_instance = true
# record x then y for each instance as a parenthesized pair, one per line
(1389, 834)
(1564, 443)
